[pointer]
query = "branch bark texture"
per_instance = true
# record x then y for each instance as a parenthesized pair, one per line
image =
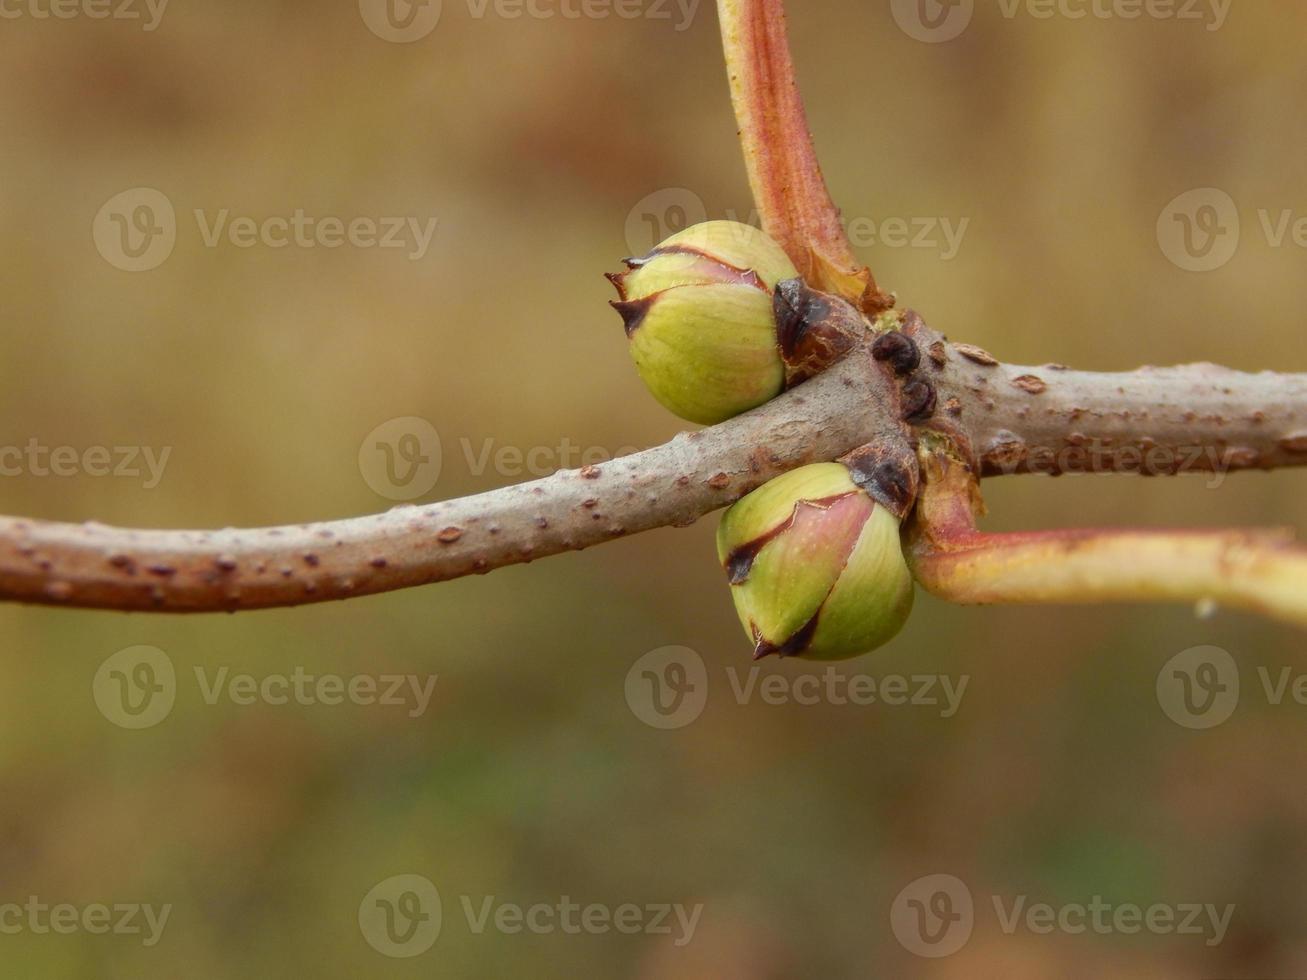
(1250, 420)
(1199, 418)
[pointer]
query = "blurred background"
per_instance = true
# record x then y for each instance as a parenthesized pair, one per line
(1039, 161)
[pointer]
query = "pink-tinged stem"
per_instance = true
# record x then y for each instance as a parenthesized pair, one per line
(788, 187)
(1260, 571)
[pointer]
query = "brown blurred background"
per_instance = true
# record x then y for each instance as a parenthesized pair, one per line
(545, 147)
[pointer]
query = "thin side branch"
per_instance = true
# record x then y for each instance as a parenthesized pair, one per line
(793, 201)
(1258, 571)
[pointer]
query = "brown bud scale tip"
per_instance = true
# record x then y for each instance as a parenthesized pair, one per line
(632, 311)
(813, 329)
(889, 474)
(792, 647)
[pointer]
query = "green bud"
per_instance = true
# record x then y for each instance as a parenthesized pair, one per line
(699, 315)
(815, 565)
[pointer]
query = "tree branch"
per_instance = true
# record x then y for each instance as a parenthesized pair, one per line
(974, 417)
(92, 565)
(1195, 418)
(855, 402)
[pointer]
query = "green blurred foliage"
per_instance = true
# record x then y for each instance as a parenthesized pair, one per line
(529, 777)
